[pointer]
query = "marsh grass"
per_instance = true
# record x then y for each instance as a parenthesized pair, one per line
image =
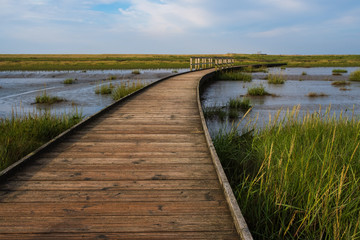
(20, 135)
(276, 78)
(69, 81)
(340, 83)
(126, 88)
(112, 78)
(234, 76)
(304, 73)
(338, 71)
(314, 94)
(47, 99)
(239, 103)
(136, 72)
(344, 89)
(297, 178)
(251, 69)
(257, 91)
(104, 89)
(355, 76)
(215, 111)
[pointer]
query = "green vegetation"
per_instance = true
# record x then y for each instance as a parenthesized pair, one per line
(355, 76)
(276, 78)
(304, 73)
(251, 69)
(135, 72)
(338, 71)
(314, 94)
(36, 62)
(257, 91)
(21, 135)
(239, 103)
(340, 83)
(215, 111)
(112, 78)
(104, 89)
(45, 98)
(298, 178)
(69, 81)
(234, 76)
(126, 88)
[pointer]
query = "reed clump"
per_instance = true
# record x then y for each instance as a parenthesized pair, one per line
(257, 91)
(276, 78)
(298, 177)
(340, 83)
(234, 76)
(314, 94)
(20, 135)
(47, 99)
(125, 88)
(104, 89)
(215, 111)
(239, 103)
(355, 76)
(136, 72)
(338, 71)
(69, 81)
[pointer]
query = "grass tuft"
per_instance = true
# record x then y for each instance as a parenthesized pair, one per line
(234, 76)
(314, 94)
(355, 76)
(215, 111)
(69, 81)
(126, 88)
(257, 91)
(136, 72)
(104, 89)
(239, 103)
(338, 71)
(340, 83)
(47, 99)
(276, 78)
(298, 178)
(21, 135)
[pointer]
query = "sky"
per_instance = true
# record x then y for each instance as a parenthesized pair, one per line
(179, 26)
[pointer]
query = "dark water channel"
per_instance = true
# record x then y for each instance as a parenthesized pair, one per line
(18, 90)
(286, 96)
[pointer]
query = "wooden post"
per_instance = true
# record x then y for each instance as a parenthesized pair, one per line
(191, 63)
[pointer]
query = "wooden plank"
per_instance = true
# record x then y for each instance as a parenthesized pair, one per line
(175, 195)
(111, 185)
(82, 209)
(226, 235)
(113, 224)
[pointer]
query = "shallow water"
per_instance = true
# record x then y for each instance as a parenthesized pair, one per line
(288, 95)
(19, 89)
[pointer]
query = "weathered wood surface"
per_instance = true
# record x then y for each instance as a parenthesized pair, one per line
(141, 171)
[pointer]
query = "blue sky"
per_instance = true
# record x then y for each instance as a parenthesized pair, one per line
(180, 26)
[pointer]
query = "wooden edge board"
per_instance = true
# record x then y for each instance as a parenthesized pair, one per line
(13, 168)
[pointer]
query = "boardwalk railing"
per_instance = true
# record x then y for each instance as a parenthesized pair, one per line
(198, 63)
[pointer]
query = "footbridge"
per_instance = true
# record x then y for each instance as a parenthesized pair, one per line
(143, 168)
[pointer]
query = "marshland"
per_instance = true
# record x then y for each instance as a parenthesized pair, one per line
(288, 137)
(293, 158)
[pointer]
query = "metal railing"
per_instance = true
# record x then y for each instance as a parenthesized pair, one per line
(198, 63)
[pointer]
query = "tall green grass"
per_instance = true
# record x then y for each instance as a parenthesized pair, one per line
(297, 178)
(276, 78)
(104, 89)
(20, 135)
(355, 76)
(258, 90)
(239, 103)
(125, 88)
(234, 76)
(47, 99)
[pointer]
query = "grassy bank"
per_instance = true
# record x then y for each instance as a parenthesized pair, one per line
(22, 135)
(299, 178)
(37, 62)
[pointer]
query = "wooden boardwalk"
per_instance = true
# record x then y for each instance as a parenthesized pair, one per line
(142, 170)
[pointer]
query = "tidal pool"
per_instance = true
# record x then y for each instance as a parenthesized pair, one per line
(284, 96)
(18, 89)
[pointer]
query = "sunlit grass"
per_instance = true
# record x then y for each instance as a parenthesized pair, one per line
(257, 91)
(44, 98)
(125, 88)
(298, 177)
(20, 135)
(355, 76)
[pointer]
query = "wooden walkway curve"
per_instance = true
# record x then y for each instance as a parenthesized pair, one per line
(143, 170)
